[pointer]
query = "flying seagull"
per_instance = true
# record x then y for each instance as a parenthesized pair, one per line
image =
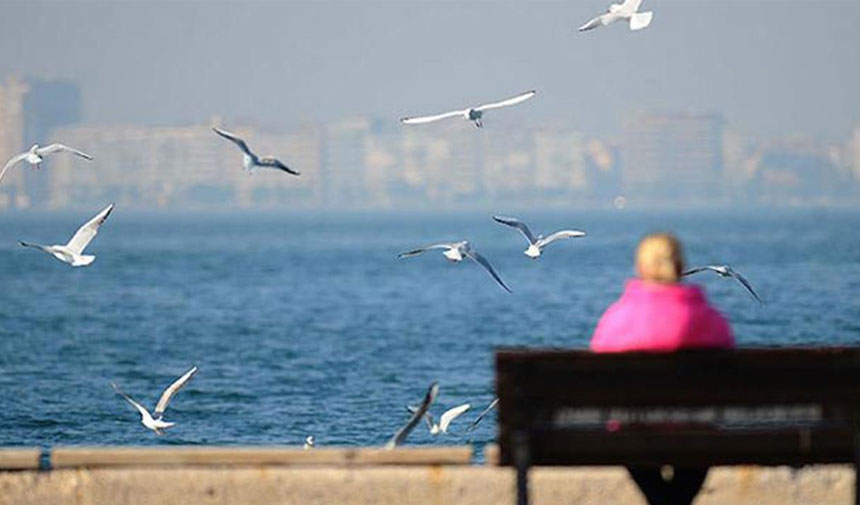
(456, 252)
(536, 244)
(404, 432)
(725, 271)
(617, 12)
(474, 114)
(250, 160)
(309, 443)
(72, 253)
(36, 155)
(157, 423)
(444, 421)
(482, 415)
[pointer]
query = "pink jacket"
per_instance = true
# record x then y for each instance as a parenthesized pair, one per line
(660, 317)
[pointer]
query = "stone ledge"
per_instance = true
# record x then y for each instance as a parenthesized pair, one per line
(24, 458)
(90, 457)
(406, 485)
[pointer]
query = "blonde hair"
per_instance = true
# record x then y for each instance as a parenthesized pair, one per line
(659, 258)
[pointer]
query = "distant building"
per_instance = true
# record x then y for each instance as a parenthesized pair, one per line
(799, 172)
(13, 191)
(673, 158)
(345, 149)
(560, 170)
(187, 167)
(854, 154)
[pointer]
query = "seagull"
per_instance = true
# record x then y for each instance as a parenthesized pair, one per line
(309, 443)
(444, 421)
(536, 244)
(455, 252)
(36, 155)
(250, 160)
(157, 423)
(403, 432)
(618, 12)
(72, 253)
(473, 114)
(725, 271)
(482, 415)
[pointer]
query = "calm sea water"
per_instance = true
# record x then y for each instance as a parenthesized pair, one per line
(305, 324)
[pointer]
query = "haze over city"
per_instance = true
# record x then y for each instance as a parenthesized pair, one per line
(765, 80)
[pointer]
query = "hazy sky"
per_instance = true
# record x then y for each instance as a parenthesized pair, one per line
(772, 67)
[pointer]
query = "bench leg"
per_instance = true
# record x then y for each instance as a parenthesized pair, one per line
(522, 462)
(857, 465)
(681, 490)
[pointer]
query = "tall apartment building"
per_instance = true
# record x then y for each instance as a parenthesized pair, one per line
(12, 188)
(344, 153)
(673, 158)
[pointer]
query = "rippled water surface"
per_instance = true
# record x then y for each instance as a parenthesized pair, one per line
(308, 324)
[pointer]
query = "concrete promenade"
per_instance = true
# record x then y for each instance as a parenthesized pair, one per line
(427, 476)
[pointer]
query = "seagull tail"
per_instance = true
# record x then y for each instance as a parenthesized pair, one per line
(82, 261)
(640, 20)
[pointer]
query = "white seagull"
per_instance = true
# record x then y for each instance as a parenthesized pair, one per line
(157, 423)
(455, 252)
(404, 432)
(444, 421)
(73, 252)
(36, 155)
(250, 160)
(309, 443)
(626, 11)
(536, 244)
(725, 271)
(474, 114)
(482, 415)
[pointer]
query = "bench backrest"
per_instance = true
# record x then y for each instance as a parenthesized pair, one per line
(745, 406)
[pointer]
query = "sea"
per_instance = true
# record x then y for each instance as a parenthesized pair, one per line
(307, 323)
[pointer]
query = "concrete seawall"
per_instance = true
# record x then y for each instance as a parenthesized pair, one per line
(250, 476)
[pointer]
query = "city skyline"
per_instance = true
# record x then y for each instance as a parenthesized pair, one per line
(658, 159)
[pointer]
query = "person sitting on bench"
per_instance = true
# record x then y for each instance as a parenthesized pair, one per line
(657, 312)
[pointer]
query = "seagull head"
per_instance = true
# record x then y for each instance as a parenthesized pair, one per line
(33, 148)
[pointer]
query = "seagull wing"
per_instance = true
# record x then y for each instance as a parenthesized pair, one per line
(140, 408)
(422, 409)
(416, 252)
(275, 163)
(593, 23)
(172, 389)
(482, 415)
(522, 97)
(696, 270)
(56, 148)
(11, 162)
(631, 6)
(747, 285)
(450, 415)
(427, 416)
(516, 223)
(560, 235)
(234, 139)
(88, 231)
(430, 119)
(487, 266)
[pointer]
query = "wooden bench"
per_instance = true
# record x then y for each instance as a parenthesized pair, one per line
(681, 412)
